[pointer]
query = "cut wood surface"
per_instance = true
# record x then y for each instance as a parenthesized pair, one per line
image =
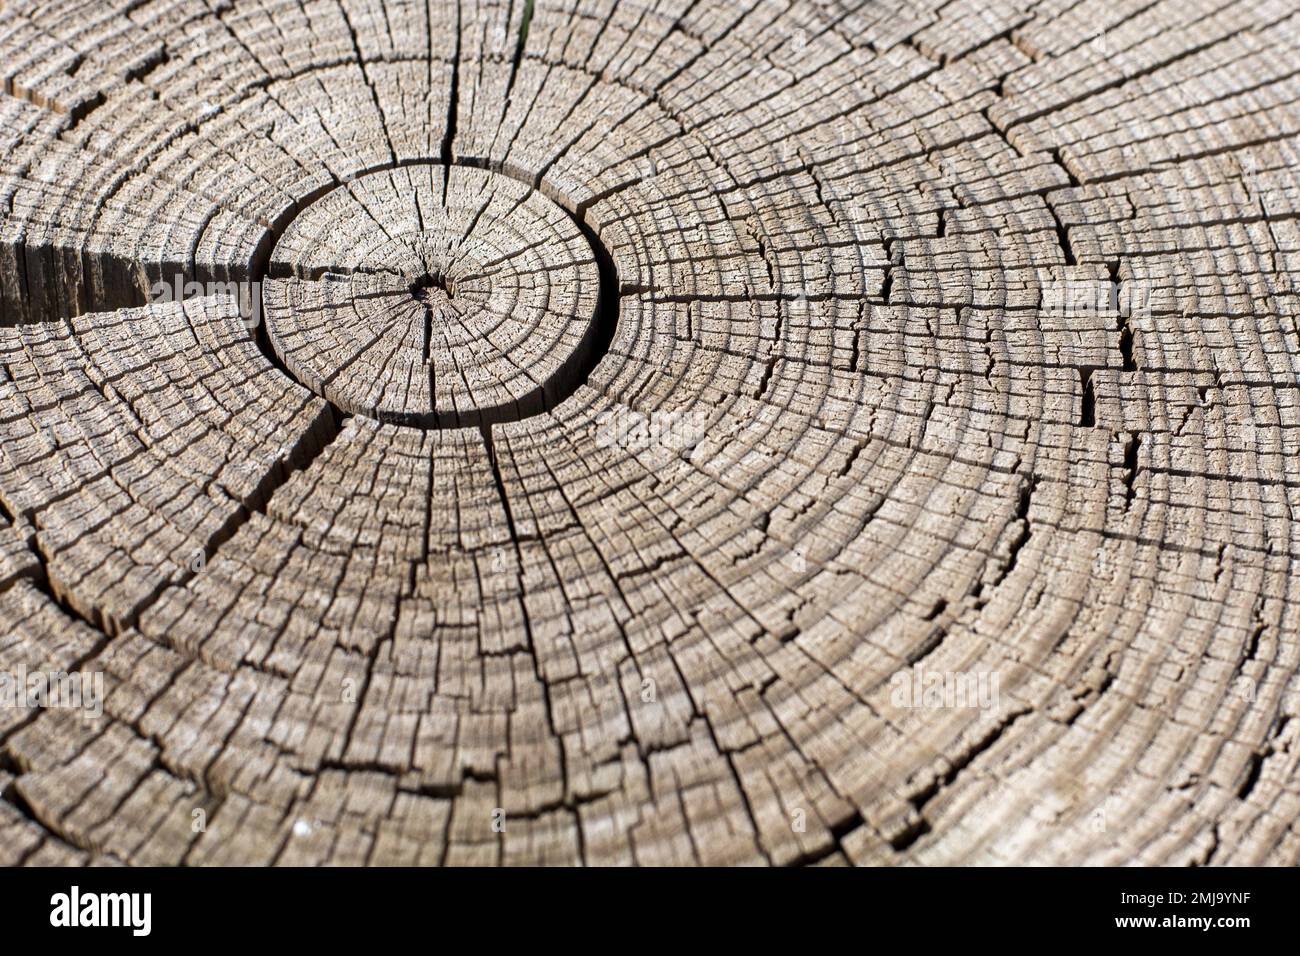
(674, 432)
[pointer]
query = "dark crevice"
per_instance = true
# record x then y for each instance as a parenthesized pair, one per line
(486, 432)
(757, 236)
(520, 43)
(887, 283)
(1091, 694)
(153, 61)
(768, 368)
(48, 587)
(530, 640)
(940, 606)
(83, 109)
(1253, 771)
(1128, 362)
(739, 786)
(365, 75)
(1060, 161)
(11, 795)
(311, 445)
(1216, 841)
(1256, 633)
(1088, 405)
(931, 643)
(980, 747)
(838, 833)
(1255, 766)
(425, 292)
(1063, 238)
(851, 459)
(921, 826)
(1126, 345)
(1131, 446)
(453, 106)
(1252, 643)
(904, 839)
(1024, 531)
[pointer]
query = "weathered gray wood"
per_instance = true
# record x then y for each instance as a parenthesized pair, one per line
(931, 500)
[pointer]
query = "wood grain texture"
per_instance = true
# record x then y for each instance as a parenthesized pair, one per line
(671, 432)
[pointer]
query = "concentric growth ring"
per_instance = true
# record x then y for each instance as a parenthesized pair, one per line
(434, 296)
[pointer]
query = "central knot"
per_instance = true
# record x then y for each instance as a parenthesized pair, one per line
(433, 290)
(468, 299)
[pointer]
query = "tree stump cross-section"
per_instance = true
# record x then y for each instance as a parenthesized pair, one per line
(649, 432)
